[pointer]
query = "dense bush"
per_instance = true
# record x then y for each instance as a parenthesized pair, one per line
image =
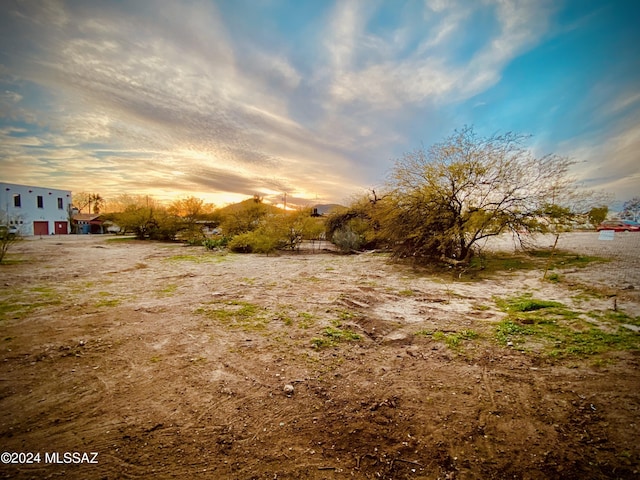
(146, 218)
(347, 240)
(192, 237)
(357, 226)
(215, 243)
(243, 217)
(254, 242)
(7, 237)
(277, 231)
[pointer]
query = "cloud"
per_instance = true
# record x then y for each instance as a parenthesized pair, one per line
(445, 30)
(8, 98)
(609, 163)
(623, 102)
(345, 28)
(430, 74)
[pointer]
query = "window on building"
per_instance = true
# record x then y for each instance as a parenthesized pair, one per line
(16, 200)
(40, 201)
(60, 207)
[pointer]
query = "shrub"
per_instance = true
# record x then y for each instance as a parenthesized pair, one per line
(242, 243)
(192, 236)
(244, 217)
(148, 222)
(281, 231)
(215, 243)
(347, 240)
(253, 242)
(7, 240)
(356, 227)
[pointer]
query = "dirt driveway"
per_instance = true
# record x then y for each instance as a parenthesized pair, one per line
(174, 362)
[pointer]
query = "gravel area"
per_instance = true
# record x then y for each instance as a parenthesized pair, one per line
(620, 274)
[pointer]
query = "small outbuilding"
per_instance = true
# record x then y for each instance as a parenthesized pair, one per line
(88, 223)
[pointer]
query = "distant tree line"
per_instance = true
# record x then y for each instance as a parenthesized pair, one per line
(251, 226)
(438, 204)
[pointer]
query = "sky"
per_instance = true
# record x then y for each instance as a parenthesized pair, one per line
(317, 99)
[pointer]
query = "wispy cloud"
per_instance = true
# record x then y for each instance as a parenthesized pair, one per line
(430, 74)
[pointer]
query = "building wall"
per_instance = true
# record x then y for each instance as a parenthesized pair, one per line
(40, 210)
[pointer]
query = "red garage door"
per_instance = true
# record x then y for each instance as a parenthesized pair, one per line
(41, 228)
(61, 228)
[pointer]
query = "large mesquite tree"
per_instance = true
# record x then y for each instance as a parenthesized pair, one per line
(444, 199)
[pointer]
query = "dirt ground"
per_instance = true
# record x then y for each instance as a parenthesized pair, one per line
(174, 362)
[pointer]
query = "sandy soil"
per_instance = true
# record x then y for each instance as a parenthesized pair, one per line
(173, 362)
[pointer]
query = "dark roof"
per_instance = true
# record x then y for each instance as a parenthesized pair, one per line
(87, 217)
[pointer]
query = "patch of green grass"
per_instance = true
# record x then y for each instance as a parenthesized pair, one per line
(18, 303)
(284, 317)
(617, 316)
(563, 259)
(424, 333)
(306, 320)
(406, 292)
(585, 297)
(168, 290)
(340, 334)
(508, 330)
(187, 258)
(452, 339)
(499, 262)
(553, 278)
(524, 303)
(46, 293)
(332, 336)
(319, 342)
(11, 309)
(553, 329)
(237, 314)
(592, 341)
(108, 302)
(13, 259)
(345, 315)
(203, 258)
(80, 288)
(492, 263)
(481, 308)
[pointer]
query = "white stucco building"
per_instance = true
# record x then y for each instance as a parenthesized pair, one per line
(35, 210)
